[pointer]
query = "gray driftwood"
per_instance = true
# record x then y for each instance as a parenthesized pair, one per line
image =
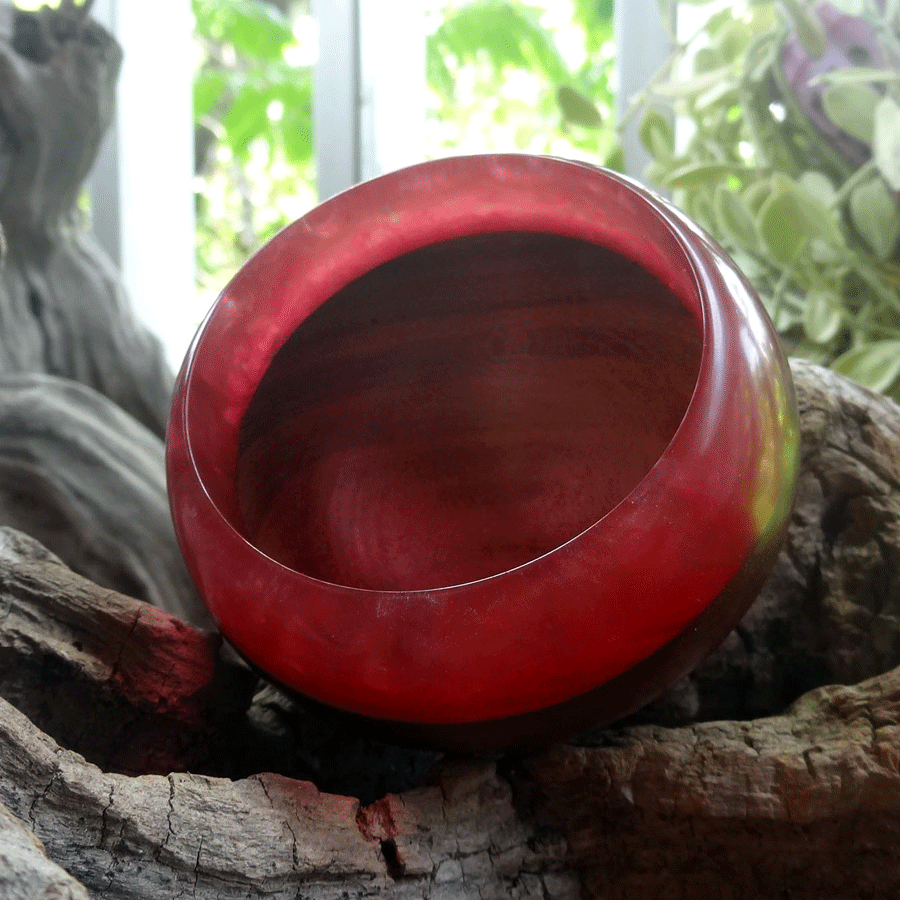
(25, 870)
(801, 800)
(88, 481)
(62, 307)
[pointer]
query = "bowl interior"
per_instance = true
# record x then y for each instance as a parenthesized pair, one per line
(463, 409)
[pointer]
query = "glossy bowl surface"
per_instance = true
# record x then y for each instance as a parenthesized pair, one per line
(492, 448)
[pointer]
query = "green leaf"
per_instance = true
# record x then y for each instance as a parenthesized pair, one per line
(259, 29)
(680, 89)
(879, 287)
(615, 159)
(875, 365)
(297, 134)
(209, 85)
(504, 32)
(807, 26)
(822, 316)
(576, 108)
(725, 93)
(750, 265)
(438, 74)
(734, 217)
(856, 75)
(807, 349)
(657, 135)
(707, 59)
(784, 318)
(596, 19)
(756, 194)
(792, 218)
(763, 56)
(254, 28)
(886, 142)
(698, 205)
(246, 118)
(819, 185)
(296, 122)
(696, 175)
(876, 216)
(719, 21)
(733, 39)
(852, 108)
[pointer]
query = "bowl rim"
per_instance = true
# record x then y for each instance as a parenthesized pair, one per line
(639, 192)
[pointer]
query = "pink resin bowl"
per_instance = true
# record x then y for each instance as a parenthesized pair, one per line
(491, 449)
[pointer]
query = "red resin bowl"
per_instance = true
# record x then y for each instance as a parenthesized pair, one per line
(492, 449)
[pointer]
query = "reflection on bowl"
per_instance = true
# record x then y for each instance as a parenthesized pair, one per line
(490, 449)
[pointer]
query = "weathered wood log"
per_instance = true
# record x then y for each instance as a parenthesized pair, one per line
(806, 804)
(830, 611)
(131, 687)
(88, 481)
(652, 797)
(802, 800)
(25, 870)
(62, 305)
(266, 835)
(269, 836)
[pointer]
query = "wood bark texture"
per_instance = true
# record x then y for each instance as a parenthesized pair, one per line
(147, 764)
(830, 611)
(62, 305)
(88, 481)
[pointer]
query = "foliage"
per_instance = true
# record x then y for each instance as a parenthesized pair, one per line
(499, 79)
(253, 115)
(777, 127)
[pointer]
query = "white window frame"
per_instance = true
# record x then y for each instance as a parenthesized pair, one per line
(141, 187)
(369, 87)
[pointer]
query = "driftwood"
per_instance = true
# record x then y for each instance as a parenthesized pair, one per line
(830, 611)
(25, 871)
(87, 480)
(802, 800)
(62, 307)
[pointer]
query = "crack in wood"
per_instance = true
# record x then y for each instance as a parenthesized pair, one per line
(42, 794)
(170, 812)
(104, 818)
(395, 866)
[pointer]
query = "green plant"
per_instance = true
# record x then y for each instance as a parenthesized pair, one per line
(499, 78)
(253, 102)
(777, 127)
(253, 118)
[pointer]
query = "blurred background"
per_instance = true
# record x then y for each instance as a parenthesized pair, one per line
(775, 124)
(237, 116)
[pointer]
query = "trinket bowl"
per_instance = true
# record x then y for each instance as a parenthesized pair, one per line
(489, 450)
